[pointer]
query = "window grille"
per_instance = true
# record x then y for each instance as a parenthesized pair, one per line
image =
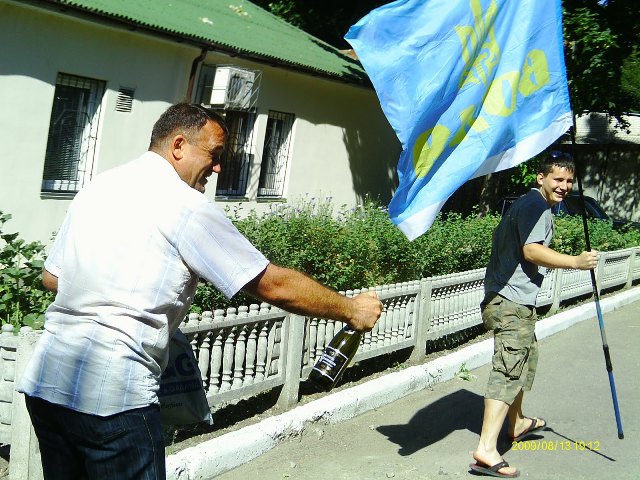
(275, 156)
(73, 131)
(238, 155)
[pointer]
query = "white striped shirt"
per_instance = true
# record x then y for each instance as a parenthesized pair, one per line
(128, 257)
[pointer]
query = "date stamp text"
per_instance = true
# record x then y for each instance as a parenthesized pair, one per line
(556, 445)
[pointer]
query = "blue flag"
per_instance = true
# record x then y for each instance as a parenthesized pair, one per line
(470, 87)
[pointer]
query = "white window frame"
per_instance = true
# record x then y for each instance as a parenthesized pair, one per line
(276, 154)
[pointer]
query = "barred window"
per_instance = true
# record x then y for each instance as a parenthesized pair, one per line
(275, 156)
(238, 155)
(73, 131)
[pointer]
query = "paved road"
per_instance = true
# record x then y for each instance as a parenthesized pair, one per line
(431, 434)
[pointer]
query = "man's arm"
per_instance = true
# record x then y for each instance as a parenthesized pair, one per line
(547, 257)
(297, 293)
(49, 281)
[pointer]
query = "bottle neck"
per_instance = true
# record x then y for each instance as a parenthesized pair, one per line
(350, 330)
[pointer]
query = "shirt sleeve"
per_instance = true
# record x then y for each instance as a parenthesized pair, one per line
(53, 263)
(532, 223)
(216, 251)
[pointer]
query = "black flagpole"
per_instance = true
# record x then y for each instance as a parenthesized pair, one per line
(596, 296)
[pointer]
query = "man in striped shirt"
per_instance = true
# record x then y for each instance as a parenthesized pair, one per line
(125, 265)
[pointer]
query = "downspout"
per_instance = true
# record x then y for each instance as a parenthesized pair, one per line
(192, 76)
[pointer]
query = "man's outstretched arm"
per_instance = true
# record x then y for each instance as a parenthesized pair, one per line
(298, 293)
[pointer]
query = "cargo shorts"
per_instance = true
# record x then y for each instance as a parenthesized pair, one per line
(515, 347)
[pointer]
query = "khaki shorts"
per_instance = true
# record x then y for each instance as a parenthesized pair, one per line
(515, 348)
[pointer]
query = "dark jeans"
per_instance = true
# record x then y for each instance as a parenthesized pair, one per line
(75, 445)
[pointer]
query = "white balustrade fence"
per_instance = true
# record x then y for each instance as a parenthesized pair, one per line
(246, 351)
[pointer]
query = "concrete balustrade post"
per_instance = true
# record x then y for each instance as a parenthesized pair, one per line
(24, 463)
(292, 361)
(602, 258)
(633, 259)
(422, 322)
(557, 289)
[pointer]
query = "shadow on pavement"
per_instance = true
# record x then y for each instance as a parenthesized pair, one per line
(461, 410)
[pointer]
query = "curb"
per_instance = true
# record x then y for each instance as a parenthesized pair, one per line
(221, 454)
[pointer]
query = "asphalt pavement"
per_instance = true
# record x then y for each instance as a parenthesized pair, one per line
(432, 433)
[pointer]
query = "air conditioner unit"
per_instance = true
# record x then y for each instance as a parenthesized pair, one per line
(232, 88)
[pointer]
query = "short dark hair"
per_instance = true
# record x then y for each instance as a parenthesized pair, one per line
(556, 158)
(184, 118)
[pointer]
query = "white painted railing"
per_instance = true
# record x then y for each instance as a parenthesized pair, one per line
(246, 351)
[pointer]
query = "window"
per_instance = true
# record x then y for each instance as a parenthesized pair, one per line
(205, 84)
(73, 131)
(275, 156)
(237, 156)
(232, 91)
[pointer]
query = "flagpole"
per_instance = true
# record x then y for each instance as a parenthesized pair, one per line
(596, 296)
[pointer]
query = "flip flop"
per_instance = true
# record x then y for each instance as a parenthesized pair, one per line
(484, 469)
(534, 427)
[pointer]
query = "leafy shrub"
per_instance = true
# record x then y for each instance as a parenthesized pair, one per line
(347, 249)
(631, 237)
(569, 236)
(373, 250)
(455, 244)
(360, 247)
(23, 300)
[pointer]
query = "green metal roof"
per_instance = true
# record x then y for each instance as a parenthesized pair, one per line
(235, 26)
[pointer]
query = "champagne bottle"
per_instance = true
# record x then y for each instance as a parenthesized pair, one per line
(335, 358)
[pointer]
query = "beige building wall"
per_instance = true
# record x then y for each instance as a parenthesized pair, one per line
(36, 46)
(342, 146)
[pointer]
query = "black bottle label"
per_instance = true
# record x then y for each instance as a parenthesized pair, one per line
(331, 363)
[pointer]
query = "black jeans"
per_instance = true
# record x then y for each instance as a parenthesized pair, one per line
(75, 445)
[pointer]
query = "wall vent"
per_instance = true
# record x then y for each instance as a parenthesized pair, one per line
(124, 102)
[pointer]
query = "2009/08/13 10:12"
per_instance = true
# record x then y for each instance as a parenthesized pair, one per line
(552, 445)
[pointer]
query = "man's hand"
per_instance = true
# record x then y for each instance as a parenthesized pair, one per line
(367, 311)
(587, 260)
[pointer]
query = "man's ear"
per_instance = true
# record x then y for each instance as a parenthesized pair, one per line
(539, 179)
(177, 146)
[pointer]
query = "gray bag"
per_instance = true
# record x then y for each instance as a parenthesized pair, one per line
(182, 397)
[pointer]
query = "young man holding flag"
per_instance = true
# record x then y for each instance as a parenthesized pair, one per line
(512, 281)
(471, 88)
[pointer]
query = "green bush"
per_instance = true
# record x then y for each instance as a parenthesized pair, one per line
(360, 247)
(455, 244)
(569, 236)
(631, 237)
(345, 249)
(23, 300)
